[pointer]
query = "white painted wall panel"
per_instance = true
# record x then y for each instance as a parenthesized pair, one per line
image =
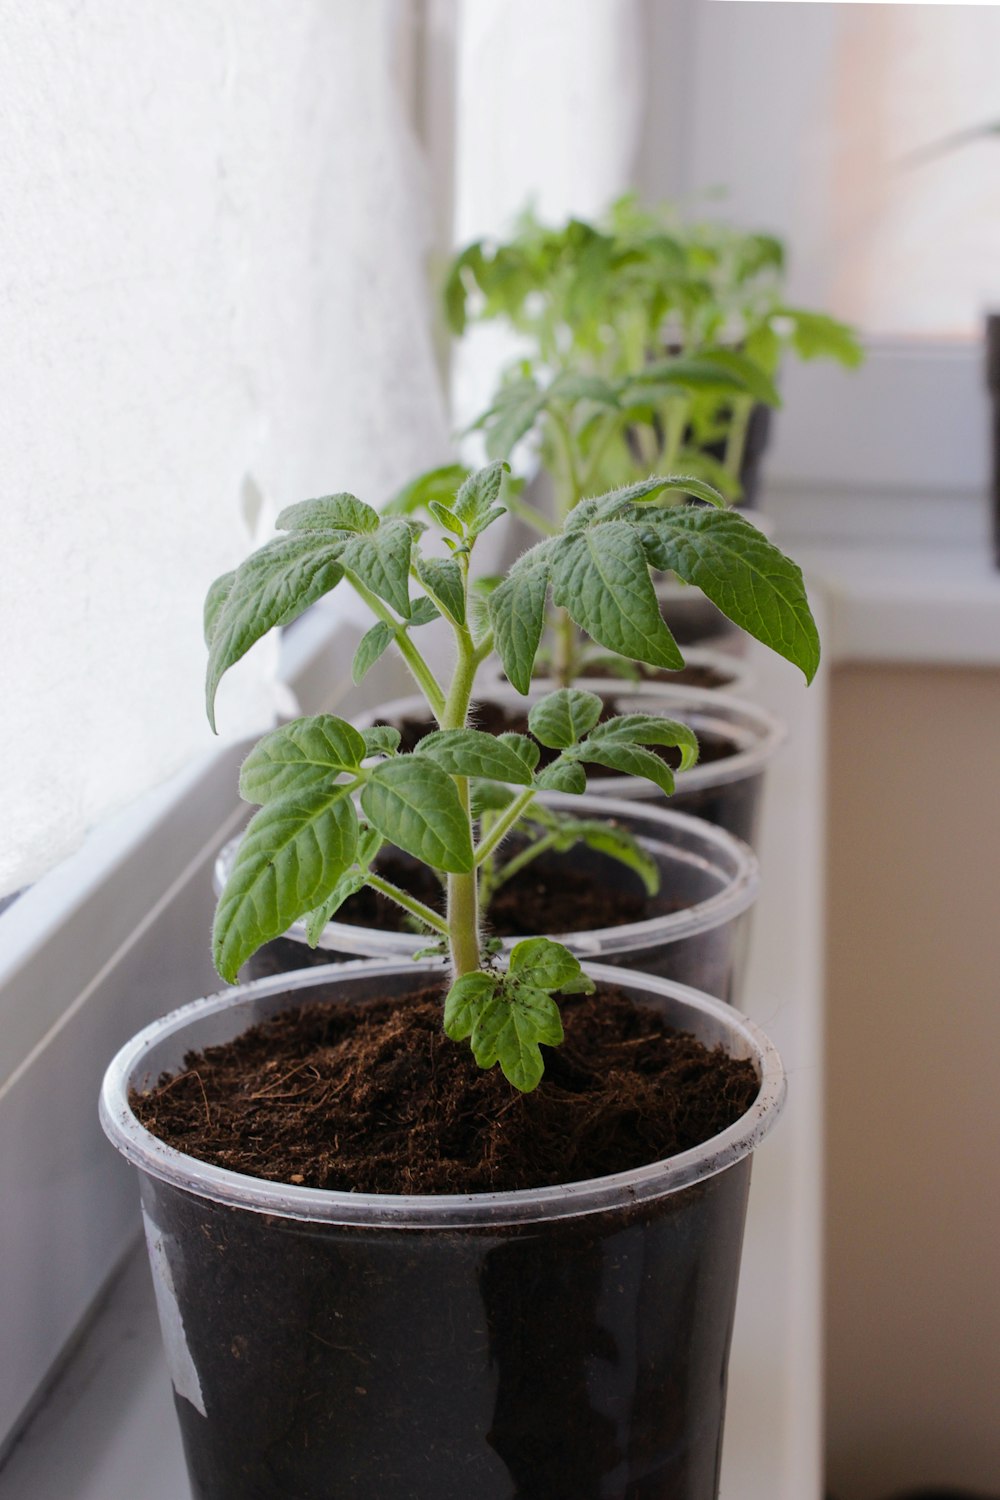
(211, 290)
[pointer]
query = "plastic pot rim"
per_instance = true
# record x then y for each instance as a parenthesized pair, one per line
(713, 658)
(706, 704)
(444, 1212)
(725, 905)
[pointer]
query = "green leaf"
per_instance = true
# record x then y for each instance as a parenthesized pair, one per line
(465, 1000)
(630, 760)
(522, 746)
(649, 729)
(512, 415)
(443, 577)
(563, 717)
(576, 385)
(763, 346)
(817, 336)
(549, 966)
(563, 776)
(757, 382)
(743, 574)
(381, 560)
(415, 805)
(381, 739)
(289, 860)
(471, 752)
(490, 796)
(271, 588)
(348, 885)
(305, 753)
(697, 373)
(341, 512)
(370, 647)
(445, 517)
(216, 597)
(517, 613)
(471, 259)
(615, 504)
(600, 576)
(688, 484)
(424, 610)
(619, 844)
(477, 498)
(505, 1025)
(435, 484)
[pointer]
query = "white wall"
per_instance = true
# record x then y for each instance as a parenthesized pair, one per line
(211, 288)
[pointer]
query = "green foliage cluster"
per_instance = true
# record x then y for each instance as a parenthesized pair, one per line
(330, 795)
(648, 339)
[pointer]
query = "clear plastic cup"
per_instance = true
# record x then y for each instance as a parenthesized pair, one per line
(729, 673)
(725, 791)
(710, 879)
(566, 1342)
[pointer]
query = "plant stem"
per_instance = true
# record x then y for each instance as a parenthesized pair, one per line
(504, 823)
(564, 649)
(531, 517)
(736, 440)
(524, 857)
(463, 890)
(416, 908)
(424, 677)
(598, 448)
(567, 494)
(567, 486)
(675, 417)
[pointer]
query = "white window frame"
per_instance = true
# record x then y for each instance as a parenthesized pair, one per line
(897, 452)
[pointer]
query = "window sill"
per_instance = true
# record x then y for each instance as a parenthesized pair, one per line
(107, 1428)
(916, 603)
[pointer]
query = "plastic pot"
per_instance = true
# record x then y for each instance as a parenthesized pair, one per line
(567, 1343)
(709, 877)
(726, 791)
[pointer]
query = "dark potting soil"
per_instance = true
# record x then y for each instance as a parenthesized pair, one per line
(375, 1098)
(550, 896)
(495, 719)
(696, 676)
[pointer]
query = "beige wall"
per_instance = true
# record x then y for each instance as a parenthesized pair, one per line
(913, 1081)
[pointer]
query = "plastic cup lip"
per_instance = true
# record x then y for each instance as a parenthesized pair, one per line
(445, 1212)
(714, 658)
(707, 708)
(719, 850)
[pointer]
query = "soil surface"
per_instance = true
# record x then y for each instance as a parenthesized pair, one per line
(375, 1098)
(547, 896)
(696, 676)
(495, 719)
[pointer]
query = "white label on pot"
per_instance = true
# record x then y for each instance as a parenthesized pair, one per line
(179, 1361)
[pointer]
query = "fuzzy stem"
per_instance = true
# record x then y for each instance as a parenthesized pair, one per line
(463, 890)
(424, 677)
(564, 649)
(598, 448)
(522, 858)
(425, 914)
(736, 441)
(675, 417)
(504, 823)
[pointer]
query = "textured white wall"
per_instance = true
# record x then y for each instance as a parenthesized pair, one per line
(210, 288)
